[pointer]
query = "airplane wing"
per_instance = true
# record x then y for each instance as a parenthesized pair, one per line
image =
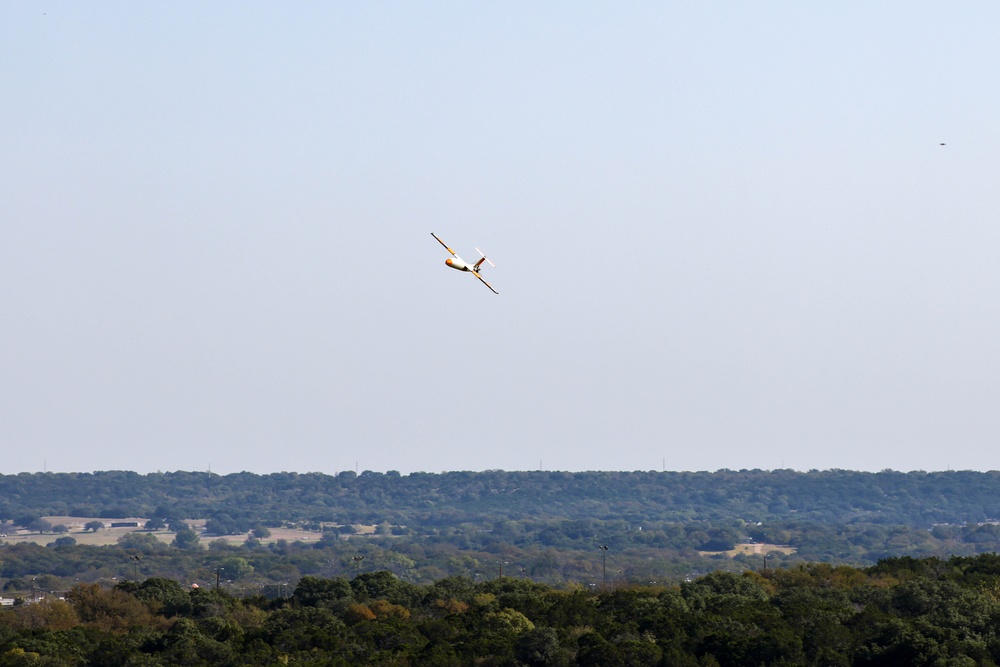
(445, 245)
(476, 274)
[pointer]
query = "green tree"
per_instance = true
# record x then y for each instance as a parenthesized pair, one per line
(383, 585)
(176, 525)
(317, 592)
(538, 647)
(184, 644)
(289, 630)
(156, 523)
(143, 542)
(593, 650)
(163, 596)
(186, 539)
(40, 526)
(236, 567)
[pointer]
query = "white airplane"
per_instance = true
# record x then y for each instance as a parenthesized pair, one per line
(458, 263)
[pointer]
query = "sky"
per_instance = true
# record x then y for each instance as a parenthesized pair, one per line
(727, 235)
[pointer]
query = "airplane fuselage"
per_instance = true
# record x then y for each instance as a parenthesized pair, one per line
(457, 263)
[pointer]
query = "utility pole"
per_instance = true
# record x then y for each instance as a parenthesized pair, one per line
(604, 564)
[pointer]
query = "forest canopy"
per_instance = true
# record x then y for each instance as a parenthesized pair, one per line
(557, 528)
(830, 496)
(898, 612)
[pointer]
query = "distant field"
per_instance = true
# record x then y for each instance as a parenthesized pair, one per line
(752, 548)
(111, 535)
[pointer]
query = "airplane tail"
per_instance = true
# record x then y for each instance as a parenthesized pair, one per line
(484, 259)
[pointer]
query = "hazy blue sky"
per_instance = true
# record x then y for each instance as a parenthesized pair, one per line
(727, 235)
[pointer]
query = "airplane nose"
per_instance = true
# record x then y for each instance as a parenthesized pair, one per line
(448, 262)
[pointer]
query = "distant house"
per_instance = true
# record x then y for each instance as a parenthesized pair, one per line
(6, 602)
(124, 524)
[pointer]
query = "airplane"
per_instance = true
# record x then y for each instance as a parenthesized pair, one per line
(458, 263)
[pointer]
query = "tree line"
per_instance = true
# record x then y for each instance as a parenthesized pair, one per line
(547, 525)
(901, 611)
(429, 499)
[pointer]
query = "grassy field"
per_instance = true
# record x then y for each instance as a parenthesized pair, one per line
(110, 535)
(753, 548)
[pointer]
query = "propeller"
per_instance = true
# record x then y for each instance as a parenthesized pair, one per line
(486, 258)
